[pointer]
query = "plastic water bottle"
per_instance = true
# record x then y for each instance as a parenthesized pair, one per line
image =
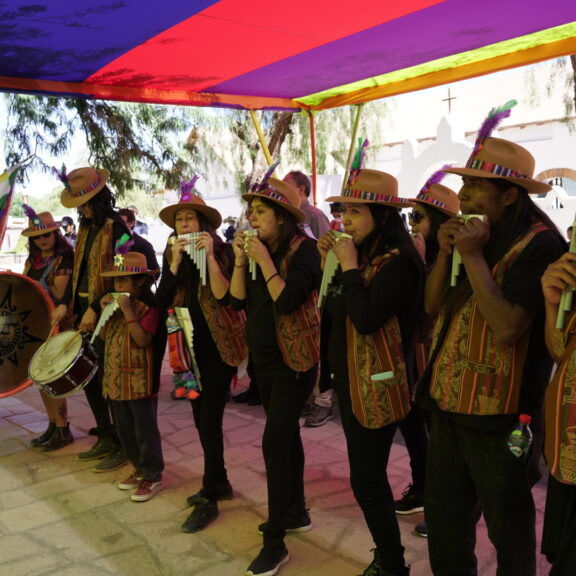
(520, 439)
(172, 324)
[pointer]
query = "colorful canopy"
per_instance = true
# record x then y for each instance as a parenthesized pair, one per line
(267, 54)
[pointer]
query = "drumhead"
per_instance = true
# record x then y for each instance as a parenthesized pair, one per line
(25, 309)
(55, 356)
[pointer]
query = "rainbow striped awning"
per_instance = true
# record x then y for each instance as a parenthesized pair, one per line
(311, 54)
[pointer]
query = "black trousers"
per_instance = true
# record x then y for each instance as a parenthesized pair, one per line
(368, 453)
(469, 472)
(284, 393)
(414, 430)
(137, 426)
(208, 411)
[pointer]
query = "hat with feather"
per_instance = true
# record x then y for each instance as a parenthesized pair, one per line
(437, 195)
(498, 158)
(81, 185)
(39, 224)
(127, 263)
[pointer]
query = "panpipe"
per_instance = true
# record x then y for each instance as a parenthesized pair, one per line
(185, 321)
(456, 258)
(197, 255)
(330, 267)
(106, 313)
(566, 298)
(251, 263)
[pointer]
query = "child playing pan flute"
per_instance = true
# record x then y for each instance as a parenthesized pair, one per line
(128, 372)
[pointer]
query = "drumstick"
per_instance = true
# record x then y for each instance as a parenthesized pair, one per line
(63, 348)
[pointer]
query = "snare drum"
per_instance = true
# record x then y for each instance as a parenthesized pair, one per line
(63, 365)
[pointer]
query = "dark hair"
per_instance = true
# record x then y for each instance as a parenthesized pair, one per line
(336, 207)
(146, 294)
(288, 229)
(130, 216)
(515, 222)
(436, 218)
(389, 233)
(301, 180)
(103, 206)
(61, 246)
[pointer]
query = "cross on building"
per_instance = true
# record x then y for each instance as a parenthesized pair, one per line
(449, 100)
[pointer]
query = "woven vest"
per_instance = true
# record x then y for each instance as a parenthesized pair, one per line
(376, 403)
(100, 259)
(473, 373)
(128, 373)
(298, 333)
(560, 413)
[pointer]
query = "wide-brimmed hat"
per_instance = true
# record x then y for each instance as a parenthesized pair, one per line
(439, 196)
(498, 158)
(39, 224)
(129, 264)
(81, 185)
(190, 200)
(367, 186)
(279, 192)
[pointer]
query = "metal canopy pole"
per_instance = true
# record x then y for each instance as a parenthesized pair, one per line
(352, 145)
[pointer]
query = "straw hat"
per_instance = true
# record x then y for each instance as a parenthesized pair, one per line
(279, 192)
(81, 185)
(371, 187)
(129, 264)
(39, 224)
(190, 200)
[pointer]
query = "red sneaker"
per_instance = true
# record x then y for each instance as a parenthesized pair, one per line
(133, 481)
(146, 490)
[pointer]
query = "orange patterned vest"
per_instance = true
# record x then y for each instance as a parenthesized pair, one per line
(560, 413)
(376, 403)
(473, 373)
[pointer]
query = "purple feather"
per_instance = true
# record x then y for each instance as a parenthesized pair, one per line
(123, 244)
(437, 177)
(187, 187)
(494, 118)
(270, 171)
(62, 176)
(29, 211)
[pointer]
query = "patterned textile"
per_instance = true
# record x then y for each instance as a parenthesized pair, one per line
(473, 373)
(298, 333)
(128, 373)
(560, 413)
(377, 402)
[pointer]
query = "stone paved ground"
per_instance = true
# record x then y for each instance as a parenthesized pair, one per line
(59, 517)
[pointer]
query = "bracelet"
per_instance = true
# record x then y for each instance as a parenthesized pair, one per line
(273, 276)
(132, 321)
(239, 265)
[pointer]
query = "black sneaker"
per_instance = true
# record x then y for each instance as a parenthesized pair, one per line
(421, 529)
(204, 513)
(268, 562)
(375, 568)
(111, 462)
(37, 442)
(300, 523)
(223, 492)
(60, 438)
(104, 446)
(410, 503)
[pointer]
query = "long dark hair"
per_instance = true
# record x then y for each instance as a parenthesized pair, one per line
(289, 228)
(436, 218)
(61, 246)
(515, 222)
(103, 205)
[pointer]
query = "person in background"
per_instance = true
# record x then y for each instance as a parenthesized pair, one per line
(316, 220)
(489, 363)
(369, 329)
(140, 244)
(282, 331)
(434, 205)
(100, 227)
(49, 262)
(140, 228)
(337, 211)
(69, 230)
(128, 380)
(230, 229)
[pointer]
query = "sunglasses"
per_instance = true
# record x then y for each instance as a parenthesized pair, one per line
(416, 217)
(46, 235)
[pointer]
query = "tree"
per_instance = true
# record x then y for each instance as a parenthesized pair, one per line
(140, 144)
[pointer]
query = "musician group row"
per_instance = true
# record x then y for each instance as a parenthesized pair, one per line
(458, 321)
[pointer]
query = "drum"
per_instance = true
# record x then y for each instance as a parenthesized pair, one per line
(25, 309)
(64, 364)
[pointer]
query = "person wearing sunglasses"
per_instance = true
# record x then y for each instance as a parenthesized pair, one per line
(434, 205)
(49, 261)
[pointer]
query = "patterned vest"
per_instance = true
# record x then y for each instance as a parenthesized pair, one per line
(376, 403)
(298, 333)
(128, 373)
(473, 373)
(100, 259)
(560, 413)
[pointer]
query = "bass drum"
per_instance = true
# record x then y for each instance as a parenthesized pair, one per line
(64, 364)
(25, 309)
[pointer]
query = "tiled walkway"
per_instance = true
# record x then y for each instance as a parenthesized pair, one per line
(59, 517)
